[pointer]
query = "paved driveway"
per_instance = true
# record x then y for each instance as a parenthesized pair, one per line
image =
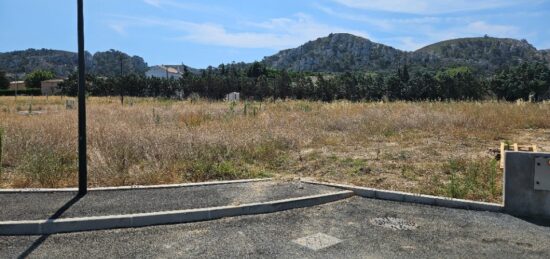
(352, 228)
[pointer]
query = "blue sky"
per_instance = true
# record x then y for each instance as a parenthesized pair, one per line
(208, 32)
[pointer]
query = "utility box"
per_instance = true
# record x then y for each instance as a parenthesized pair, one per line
(527, 185)
(542, 173)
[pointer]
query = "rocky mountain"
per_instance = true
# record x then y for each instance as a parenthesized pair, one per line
(114, 63)
(63, 63)
(485, 53)
(345, 52)
(337, 53)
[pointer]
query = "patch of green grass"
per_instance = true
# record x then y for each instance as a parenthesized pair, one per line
(473, 179)
(46, 169)
(204, 170)
(219, 162)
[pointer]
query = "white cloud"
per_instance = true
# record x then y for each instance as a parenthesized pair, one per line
(275, 33)
(429, 6)
(420, 30)
(390, 24)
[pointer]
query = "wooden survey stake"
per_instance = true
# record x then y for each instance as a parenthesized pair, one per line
(514, 147)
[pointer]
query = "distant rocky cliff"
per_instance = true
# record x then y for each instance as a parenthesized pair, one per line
(345, 52)
(63, 63)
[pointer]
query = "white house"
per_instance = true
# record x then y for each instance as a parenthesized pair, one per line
(163, 72)
(233, 96)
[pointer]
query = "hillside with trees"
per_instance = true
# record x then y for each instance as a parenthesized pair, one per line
(484, 53)
(114, 63)
(338, 52)
(340, 66)
(343, 52)
(63, 63)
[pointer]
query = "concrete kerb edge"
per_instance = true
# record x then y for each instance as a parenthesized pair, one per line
(415, 198)
(134, 187)
(64, 225)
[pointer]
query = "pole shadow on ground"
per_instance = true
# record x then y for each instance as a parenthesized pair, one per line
(56, 215)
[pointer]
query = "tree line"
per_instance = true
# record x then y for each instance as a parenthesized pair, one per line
(528, 80)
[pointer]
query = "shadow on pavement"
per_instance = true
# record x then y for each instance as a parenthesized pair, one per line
(56, 215)
(537, 221)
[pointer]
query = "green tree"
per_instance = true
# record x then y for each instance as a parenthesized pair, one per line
(521, 81)
(460, 83)
(34, 79)
(393, 87)
(94, 85)
(4, 82)
(256, 70)
(283, 85)
(422, 86)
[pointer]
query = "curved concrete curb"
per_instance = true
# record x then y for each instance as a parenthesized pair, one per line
(134, 187)
(415, 198)
(52, 226)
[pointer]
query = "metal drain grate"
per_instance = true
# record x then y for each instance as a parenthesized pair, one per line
(393, 223)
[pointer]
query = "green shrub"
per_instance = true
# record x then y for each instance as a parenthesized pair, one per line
(35, 78)
(46, 169)
(29, 91)
(473, 179)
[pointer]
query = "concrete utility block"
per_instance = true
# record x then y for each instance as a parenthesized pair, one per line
(521, 196)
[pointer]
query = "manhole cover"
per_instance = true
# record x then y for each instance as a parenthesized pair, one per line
(393, 223)
(317, 241)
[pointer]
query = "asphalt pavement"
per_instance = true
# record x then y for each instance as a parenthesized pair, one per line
(352, 228)
(37, 206)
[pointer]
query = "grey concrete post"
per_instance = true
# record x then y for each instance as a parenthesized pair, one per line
(526, 176)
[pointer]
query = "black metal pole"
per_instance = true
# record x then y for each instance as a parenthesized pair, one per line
(82, 163)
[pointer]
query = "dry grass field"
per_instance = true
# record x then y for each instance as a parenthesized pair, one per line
(441, 148)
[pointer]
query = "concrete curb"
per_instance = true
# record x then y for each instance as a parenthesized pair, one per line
(52, 226)
(415, 198)
(134, 187)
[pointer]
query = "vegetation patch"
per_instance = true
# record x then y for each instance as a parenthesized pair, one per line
(438, 148)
